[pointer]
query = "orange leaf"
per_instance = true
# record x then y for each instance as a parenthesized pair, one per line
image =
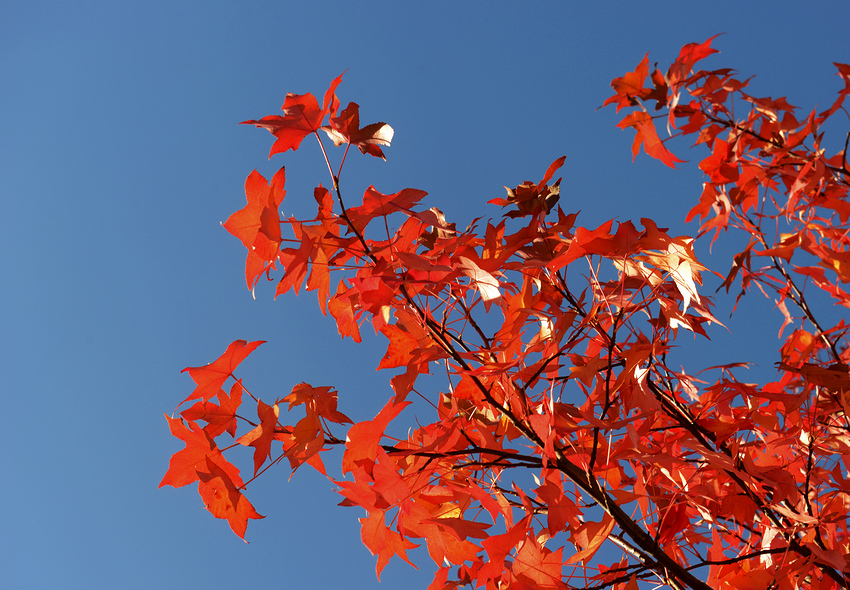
(376, 204)
(629, 86)
(648, 137)
(560, 509)
(538, 564)
(346, 129)
(533, 198)
(382, 541)
(363, 441)
(343, 308)
(261, 436)
(257, 224)
(263, 198)
(222, 498)
(402, 344)
(834, 377)
(211, 377)
(499, 546)
(590, 538)
(302, 443)
(319, 400)
(184, 465)
(301, 117)
(688, 57)
(219, 418)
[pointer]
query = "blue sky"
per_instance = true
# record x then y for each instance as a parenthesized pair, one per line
(120, 154)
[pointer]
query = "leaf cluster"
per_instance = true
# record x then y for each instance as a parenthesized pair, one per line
(561, 428)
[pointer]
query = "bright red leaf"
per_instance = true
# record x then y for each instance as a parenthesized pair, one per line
(200, 447)
(646, 136)
(219, 418)
(224, 500)
(382, 541)
(345, 128)
(210, 378)
(301, 117)
(262, 435)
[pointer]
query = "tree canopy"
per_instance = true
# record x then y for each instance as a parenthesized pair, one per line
(561, 428)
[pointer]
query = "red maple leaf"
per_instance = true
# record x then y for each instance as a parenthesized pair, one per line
(343, 307)
(345, 128)
(629, 86)
(376, 204)
(647, 136)
(184, 465)
(382, 541)
(223, 499)
(688, 57)
(302, 443)
(262, 435)
(531, 198)
(257, 224)
(499, 546)
(301, 117)
(211, 377)
(364, 438)
(589, 538)
(219, 418)
(261, 195)
(401, 347)
(321, 401)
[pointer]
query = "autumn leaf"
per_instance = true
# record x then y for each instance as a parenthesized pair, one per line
(785, 248)
(387, 481)
(325, 201)
(382, 541)
(499, 546)
(330, 103)
(345, 128)
(222, 498)
(363, 441)
(532, 198)
(262, 435)
(302, 443)
(360, 492)
(445, 535)
(539, 565)
(301, 117)
(321, 401)
(646, 135)
(257, 224)
(688, 57)
(200, 447)
(400, 350)
(680, 263)
(674, 521)
(844, 73)
(561, 509)
(835, 377)
(629, 86)
(211, 377)
(376, 204)
(219, 418)
(343, 308)
(261, 196)
(486, 283)
(589, 537)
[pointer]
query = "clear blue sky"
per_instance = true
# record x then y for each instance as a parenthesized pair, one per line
(120, 154)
